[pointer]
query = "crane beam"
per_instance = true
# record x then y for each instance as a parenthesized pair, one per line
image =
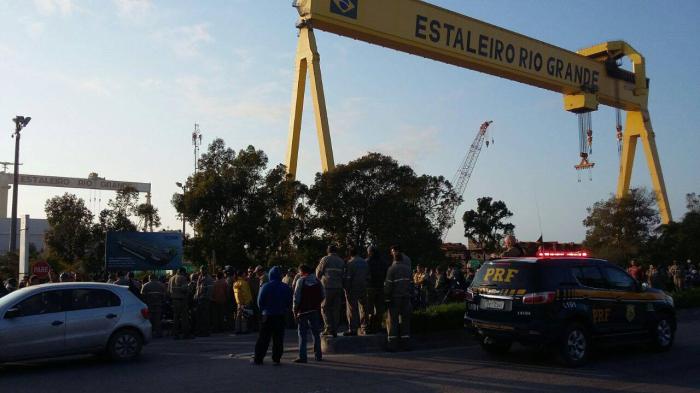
(585, 79)
(423, 29)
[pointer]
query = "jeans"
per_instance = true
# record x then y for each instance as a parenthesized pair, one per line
(312, 321)
(272, 327)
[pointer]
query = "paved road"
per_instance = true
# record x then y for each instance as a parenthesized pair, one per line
(221, 364)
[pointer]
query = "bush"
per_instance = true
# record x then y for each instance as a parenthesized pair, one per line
(438, 318)
(688, 298)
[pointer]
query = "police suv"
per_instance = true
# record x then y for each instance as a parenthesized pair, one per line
(565, 301)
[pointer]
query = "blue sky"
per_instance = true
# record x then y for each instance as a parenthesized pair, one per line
(114, 87)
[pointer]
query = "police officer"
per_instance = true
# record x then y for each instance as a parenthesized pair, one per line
(331, 271)
(356, 274)
(397, 292)
(153, 294)
(203, 298)
(179, 293)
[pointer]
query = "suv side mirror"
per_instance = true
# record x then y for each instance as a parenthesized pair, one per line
(12, 313)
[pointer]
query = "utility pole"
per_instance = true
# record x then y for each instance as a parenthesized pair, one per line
(183, 186)
(20, 123)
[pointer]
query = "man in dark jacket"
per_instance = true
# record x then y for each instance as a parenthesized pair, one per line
(397, 292)
(308, 295)
(274, 302)
(375, 290)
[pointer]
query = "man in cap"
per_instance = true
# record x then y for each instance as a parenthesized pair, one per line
(331, 271)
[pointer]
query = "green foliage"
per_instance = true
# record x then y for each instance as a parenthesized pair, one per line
(76, 242)
(441, 317)
(620, 229)
(116, 217)
(234, 201)
(72, 236)
(375, 200)
(689, 298)
(692, 202)
(486, 226)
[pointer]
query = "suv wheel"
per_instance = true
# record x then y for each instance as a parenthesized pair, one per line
(494, 346)
(662, 334)
(575, 346)
(125, 344)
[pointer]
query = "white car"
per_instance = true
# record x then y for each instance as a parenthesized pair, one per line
(72, 318)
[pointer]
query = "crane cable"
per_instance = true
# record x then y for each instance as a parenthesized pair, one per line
(585, 132)
(618, 129)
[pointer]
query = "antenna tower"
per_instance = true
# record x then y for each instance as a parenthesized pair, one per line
(196, 142)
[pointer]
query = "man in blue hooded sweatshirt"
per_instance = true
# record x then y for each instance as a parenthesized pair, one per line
(274, 301)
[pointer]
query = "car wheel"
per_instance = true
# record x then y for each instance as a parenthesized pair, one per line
(494, 346)
(575, 346)
(124, 345)
(662, 334)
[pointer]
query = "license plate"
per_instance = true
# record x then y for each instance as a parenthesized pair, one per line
(492, 304)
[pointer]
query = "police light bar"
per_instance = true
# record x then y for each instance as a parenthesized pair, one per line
(562, 254)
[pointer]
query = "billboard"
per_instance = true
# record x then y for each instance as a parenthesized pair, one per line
(143, 251)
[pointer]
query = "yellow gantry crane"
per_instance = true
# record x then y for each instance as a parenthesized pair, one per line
(586, 78)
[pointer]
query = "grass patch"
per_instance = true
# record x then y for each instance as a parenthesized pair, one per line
(438, 318)
(688, 298)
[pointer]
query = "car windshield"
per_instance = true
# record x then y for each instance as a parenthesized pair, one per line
(506, 274)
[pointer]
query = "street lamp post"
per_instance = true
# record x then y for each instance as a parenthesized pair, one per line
(183, 214)
(20, 123)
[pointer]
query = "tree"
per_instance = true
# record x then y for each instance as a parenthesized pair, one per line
(619, 229)
(148, 216)
(375, 200)
(693, 202)
(116, 217)
(486, 226)
(71, 235)
(233, 201)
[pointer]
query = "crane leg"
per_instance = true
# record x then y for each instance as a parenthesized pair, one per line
(307, 52)
(638, 125)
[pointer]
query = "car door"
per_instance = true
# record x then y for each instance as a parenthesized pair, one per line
(629, 312)
(91, 318)
(594, 294)
(38, 329)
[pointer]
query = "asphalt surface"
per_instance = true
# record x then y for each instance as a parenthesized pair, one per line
(221, 363)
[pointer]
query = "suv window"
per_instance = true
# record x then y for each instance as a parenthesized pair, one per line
(619, 279)
(555, 277)
(42, 303)
(589, 276)
(83, 299)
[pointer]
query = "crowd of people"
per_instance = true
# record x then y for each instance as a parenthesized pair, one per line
(673, 277)
(362, 289)
(373, 294)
